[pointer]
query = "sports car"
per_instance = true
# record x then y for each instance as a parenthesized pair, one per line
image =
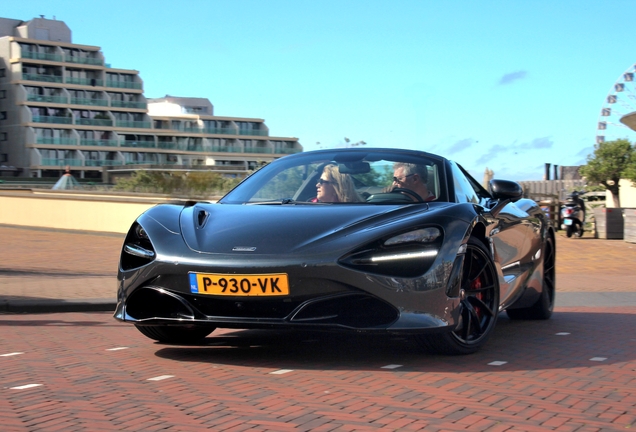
(274, 253)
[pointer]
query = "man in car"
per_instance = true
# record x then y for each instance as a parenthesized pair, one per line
(413, 177)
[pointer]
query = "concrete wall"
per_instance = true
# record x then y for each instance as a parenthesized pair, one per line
(73, 210)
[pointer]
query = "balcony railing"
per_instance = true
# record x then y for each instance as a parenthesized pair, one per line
(220, 131)
(133, 124)
(190, 129)
(143, 144)
(195, 147)
(52, 119)
(100, 143)
(53, 140)
(123, 84)
(89, 101)
(286, 151)
(41, 56)
(45, 98)
(226, 149)
(61, 162)
(84, 81)
(128, 104)
(42, 77)
(253, 132)
(167, 145)
(102, 162)
(258, 150)
(84, 60)
(93, 122)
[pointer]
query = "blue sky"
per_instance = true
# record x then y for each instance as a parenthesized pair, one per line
(508, 85)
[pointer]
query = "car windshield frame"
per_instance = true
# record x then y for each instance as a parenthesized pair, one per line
(292, 179)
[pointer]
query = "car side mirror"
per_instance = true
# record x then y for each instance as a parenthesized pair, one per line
(505, 190)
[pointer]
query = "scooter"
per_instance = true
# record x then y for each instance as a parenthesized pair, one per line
(573, 215)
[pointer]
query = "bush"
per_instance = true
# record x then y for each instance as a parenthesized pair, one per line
(191, 184)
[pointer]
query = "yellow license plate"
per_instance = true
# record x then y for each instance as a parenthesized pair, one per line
(239, 285)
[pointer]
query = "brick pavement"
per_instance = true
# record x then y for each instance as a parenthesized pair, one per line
(36, 263)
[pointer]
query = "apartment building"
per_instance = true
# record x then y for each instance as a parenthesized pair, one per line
(62, 106)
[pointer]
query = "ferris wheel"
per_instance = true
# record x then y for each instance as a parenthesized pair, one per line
(617, 118)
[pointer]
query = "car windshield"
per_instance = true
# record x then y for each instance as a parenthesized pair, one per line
(345, 176)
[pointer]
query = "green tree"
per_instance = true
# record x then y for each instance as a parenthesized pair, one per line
(611, 161)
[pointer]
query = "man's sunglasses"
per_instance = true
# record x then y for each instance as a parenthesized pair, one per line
(397, 180)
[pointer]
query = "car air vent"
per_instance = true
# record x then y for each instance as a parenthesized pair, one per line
(202, 218)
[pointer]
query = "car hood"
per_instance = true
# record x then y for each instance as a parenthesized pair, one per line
(276, 229)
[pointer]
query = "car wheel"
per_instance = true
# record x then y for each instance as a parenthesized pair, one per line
(478, 306)
(542, 309)
(175, 334)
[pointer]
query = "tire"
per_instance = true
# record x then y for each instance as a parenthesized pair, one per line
(569, 230)
(175, 334)
(478, 306)
(543, 307)
(579, 230)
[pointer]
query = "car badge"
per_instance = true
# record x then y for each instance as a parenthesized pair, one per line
(243, 249)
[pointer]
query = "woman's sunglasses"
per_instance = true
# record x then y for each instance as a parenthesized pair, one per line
(322, 182)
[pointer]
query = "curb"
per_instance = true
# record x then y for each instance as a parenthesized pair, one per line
(56, 305)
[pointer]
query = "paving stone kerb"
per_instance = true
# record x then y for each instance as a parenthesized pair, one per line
(38, 266)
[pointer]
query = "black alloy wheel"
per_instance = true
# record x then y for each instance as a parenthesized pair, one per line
(478, 305)
(543, 307)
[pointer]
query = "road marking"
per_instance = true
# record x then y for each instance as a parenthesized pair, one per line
(391, 366)
(160, 378)
(497, 363)
(26, 386)
(598, 359)
(562, 334)
(117, 349)
(281, 371)
(11, 354)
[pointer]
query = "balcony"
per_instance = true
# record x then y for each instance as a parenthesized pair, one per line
(93, 122)
(61, 162)
(258, 150)
(102, 162)
(253, 132)
(190, 130)
(52, 119)
(128, 104)
(54, 140)
(83, 81)
(99, 143)
(42, 77)
(44, 98)
(142, 144)
(220, 131)
(133, 124)
(123, 84)
(167, 145)
(84, 60)
(226, 149)
(41, 56)
(89, 101)
(194, 148)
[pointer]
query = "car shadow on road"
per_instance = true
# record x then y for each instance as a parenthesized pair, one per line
(568, 340)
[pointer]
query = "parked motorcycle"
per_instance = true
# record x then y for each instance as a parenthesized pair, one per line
(573, 215)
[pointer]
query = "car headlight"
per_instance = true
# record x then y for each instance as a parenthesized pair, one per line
(138, 250)
(407, 254)
(424, 235)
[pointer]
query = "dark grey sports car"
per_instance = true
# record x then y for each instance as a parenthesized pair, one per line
(373, 240)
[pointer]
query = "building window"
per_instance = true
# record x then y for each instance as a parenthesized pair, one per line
(4, 157)
(3, 72)
(3, 115)
(3, 94)
(3, 136)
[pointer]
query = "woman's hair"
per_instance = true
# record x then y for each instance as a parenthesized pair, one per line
(343, 184)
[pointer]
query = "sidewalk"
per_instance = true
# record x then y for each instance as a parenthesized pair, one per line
(54, 271)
